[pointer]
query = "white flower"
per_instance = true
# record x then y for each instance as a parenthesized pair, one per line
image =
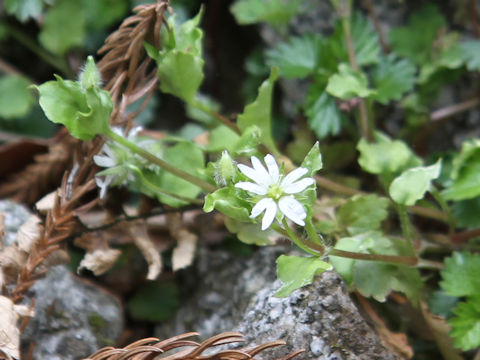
(276, 190)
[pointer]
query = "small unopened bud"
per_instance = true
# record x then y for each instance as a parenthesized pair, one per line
(225, 169)
(90, 76)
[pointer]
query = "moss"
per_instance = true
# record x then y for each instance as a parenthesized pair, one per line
(98, 325)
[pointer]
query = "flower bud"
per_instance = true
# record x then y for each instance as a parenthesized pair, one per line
(90, 76)
(225, 169)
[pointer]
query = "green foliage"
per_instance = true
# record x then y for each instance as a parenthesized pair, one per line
(24, 9)
(85, 111)
(313, 160)
(296, 272)
(324, 116)
(297, 57)
(412, 184)
(373, 278)
(154, 302)
(415, 40)
(470, 51)
(16, 100)
(466, 212)
(392, 78)
(460, 278)
(64, 26)
(227, 202)
(362, 213)
(386, 155)
(251, 234)
(274, 12)
(348, 83)
(259, 112)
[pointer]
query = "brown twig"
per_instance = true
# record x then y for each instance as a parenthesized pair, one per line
(374, 19)
(474, 17)
(455, 109)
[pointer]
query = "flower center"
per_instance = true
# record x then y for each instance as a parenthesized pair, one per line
(275, 191)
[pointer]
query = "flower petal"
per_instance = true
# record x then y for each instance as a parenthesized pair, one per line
(260, 207)
(298, 186)
(272, 167)
(251, 173)
(261, 171)
(270, 213)
(292, 209)
(251, 187)
(104, 161)
(293, 176)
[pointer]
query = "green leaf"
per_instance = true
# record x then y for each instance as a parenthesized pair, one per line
(470, 51)
(466, 324)
(186, 37)
(466, 213)
(365, 38)
(297, 57)
(24, 9)
(188, 157)
(85, 112)
(201, 116)
(412, 184)
(460, 275)
(16, 99)
(442, 304)
(358, 274)
(274, 12)
(362, 213)
(154, 302)
(324, 116)
(296, 272)
(251, 234)
(259, 112)
(64, 26)
(222, 138)
(313, 160)
(348, 83)
(180, 74)
(227, 202)
(386, 155)
(465, 173)
(392, 78)
(415, 40)
(103, 13)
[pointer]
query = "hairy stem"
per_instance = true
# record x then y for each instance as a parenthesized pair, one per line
(312, 234)
(206, 186)
(299, 242)
(406, 227)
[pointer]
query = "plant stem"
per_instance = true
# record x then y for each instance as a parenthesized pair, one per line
(443, 204)
(406, 227)
(312, 233)
(373, 17)
(291, 234)
(223, 119)
(57, 63)
(451, 110)
(206, 186)
(405, 260)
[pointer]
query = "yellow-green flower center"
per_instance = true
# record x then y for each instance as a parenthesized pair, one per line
(275, 191)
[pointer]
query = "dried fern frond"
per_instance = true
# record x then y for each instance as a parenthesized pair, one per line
(126, 67)
(182, 349)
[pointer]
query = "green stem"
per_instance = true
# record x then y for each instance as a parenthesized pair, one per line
(224, 120)
(394, 259)
(291, 234)
(406, 227)
(57, 63)
(312, 233)
(206, 186)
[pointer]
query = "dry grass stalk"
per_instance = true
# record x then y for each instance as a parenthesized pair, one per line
(183, 348)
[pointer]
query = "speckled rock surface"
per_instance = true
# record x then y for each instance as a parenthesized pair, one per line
(237, 294)
(73, 318)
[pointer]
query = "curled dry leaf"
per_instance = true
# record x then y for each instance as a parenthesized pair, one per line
(184, 252)
(99, 261)
(47, 202)
(9, 332)
(2, 226)
(142, 240)
(28, 233)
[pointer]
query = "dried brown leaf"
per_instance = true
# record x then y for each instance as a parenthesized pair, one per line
(99, 261)
(28, 233)
(47, 202)
(184, 252)
(9, 332)
(142, 240)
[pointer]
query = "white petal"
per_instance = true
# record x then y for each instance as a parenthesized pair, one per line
(269, 216)
(272, 167)
(260, 207)
(261, 171)
(251, 173)
(104, 161)
(292, 209)
(254, 188)
(298, 186)
(293, 176)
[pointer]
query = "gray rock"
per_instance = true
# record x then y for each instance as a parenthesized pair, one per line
(237, 294)
(73, 318)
